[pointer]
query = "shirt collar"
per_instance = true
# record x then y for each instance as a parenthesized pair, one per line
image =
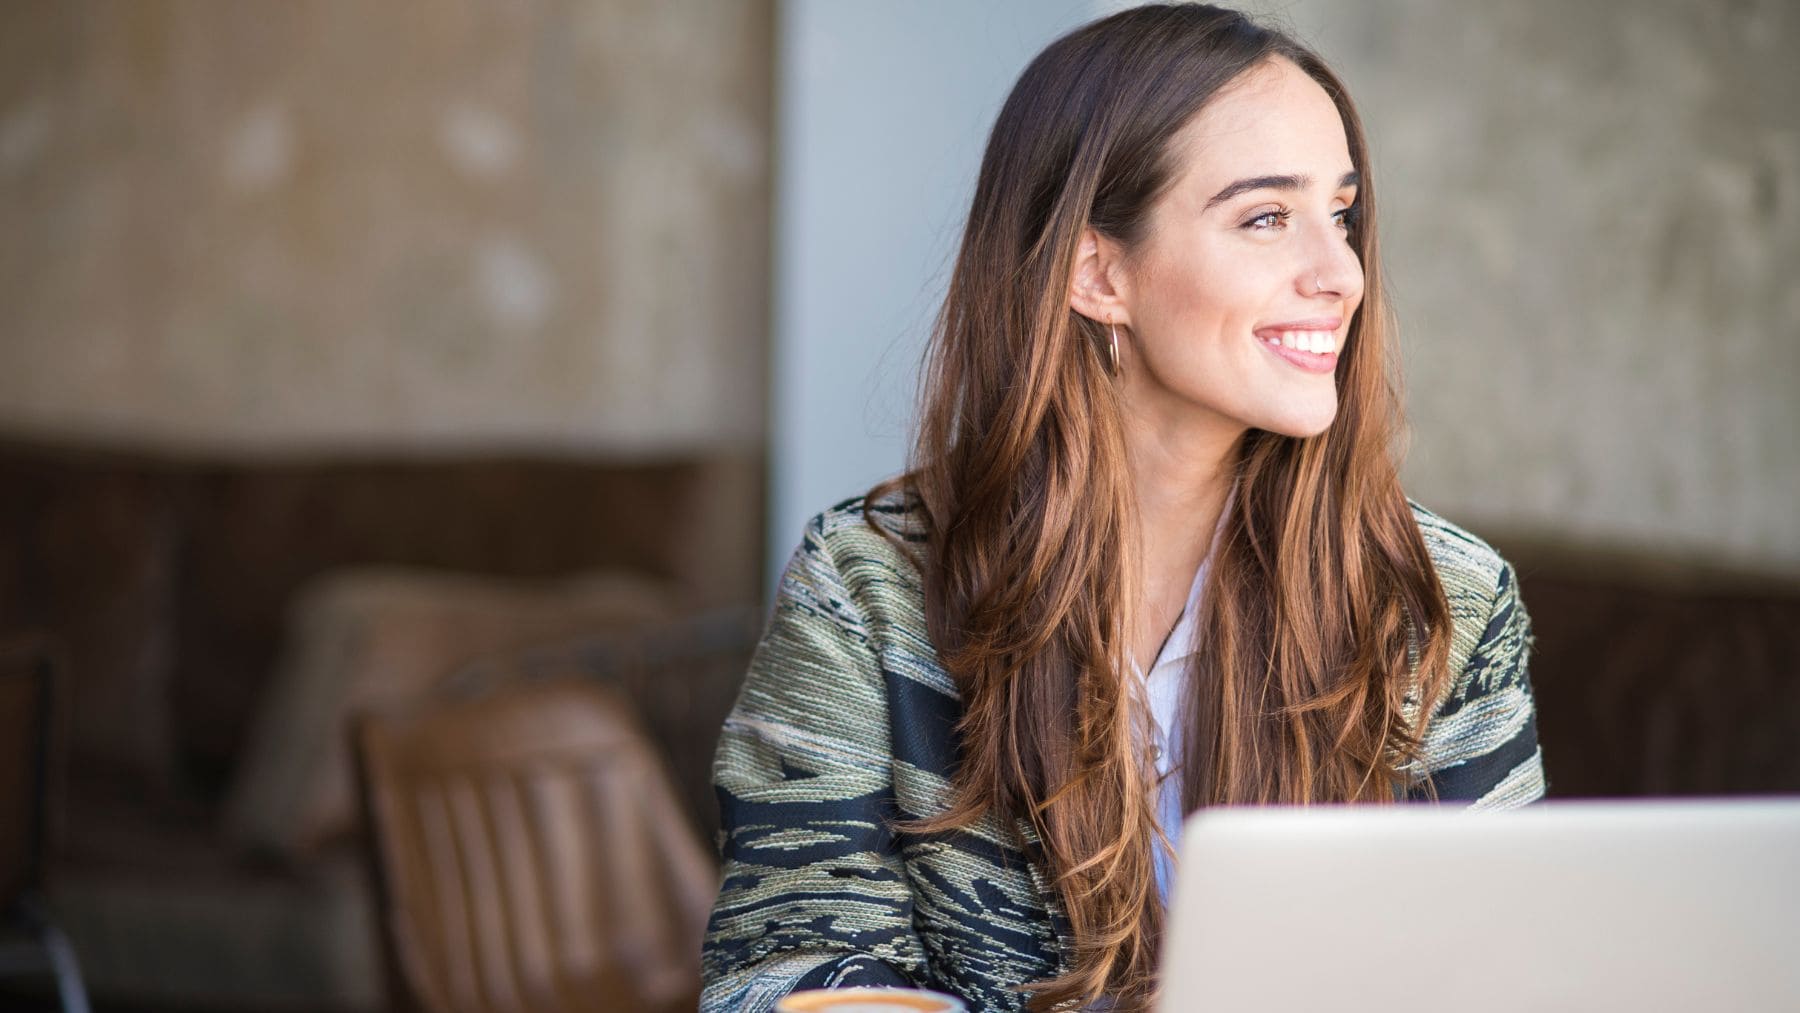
(1185, 639)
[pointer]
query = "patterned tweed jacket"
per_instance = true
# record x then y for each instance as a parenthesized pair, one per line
(845, 724)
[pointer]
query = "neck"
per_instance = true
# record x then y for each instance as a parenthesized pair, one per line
(1180, 477)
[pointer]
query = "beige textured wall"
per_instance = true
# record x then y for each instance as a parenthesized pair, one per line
(268, 226)
(1591, 217)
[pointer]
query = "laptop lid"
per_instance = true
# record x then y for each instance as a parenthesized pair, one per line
(1667, 905)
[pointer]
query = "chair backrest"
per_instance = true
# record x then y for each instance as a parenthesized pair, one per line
(25, 687)
(680, 677)
(530, 855)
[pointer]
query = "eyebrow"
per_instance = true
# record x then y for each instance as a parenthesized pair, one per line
(1273, 183)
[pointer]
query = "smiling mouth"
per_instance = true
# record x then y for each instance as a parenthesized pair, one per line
(1310, 350)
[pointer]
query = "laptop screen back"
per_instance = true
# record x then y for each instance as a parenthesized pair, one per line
(1621, 905)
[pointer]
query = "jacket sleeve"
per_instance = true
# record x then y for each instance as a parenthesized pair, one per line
(1481, 746)
(814, 893)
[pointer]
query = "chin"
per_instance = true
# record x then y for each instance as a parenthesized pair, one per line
(1304, 425)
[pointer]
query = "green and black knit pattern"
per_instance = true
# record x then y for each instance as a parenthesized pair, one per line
(846, 724)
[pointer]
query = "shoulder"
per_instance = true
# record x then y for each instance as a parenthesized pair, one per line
(816, 692)
(896, 514)
(1488, 618)
(868, 541)
(1481, 744)
(1470, 569)
(864, 554)
(1491, 635)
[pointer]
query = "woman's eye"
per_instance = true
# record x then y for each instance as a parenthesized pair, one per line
(1343, 218)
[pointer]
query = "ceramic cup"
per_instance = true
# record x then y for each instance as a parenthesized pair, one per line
(869, 1000)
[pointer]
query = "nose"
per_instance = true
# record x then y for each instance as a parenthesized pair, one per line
(1332, 268)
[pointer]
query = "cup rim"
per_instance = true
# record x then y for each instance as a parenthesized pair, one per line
(951, 1004)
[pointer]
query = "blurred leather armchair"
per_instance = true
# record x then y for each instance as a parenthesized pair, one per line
(530, 855)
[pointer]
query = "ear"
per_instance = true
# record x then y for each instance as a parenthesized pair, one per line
(1096, 280)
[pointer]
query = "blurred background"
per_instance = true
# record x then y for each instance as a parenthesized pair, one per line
(370, 368)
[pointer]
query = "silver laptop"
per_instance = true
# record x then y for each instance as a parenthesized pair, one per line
(1562, 906)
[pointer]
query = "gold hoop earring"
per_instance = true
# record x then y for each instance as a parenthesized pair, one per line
(1112, 346)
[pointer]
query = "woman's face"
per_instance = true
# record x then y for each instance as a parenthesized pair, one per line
(1242, 291)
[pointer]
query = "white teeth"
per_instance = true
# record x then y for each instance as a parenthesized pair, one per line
(1317, 342)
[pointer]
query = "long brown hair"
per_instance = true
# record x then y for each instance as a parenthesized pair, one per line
(1326, 630)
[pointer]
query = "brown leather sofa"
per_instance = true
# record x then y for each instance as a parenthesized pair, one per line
(1659, 675)
(171, 584)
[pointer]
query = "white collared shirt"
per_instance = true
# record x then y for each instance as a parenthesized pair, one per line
(1163, 690)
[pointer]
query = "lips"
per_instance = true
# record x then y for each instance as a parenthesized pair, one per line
(1312, 362)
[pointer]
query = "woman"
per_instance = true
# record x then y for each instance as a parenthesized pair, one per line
(1152, 555)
